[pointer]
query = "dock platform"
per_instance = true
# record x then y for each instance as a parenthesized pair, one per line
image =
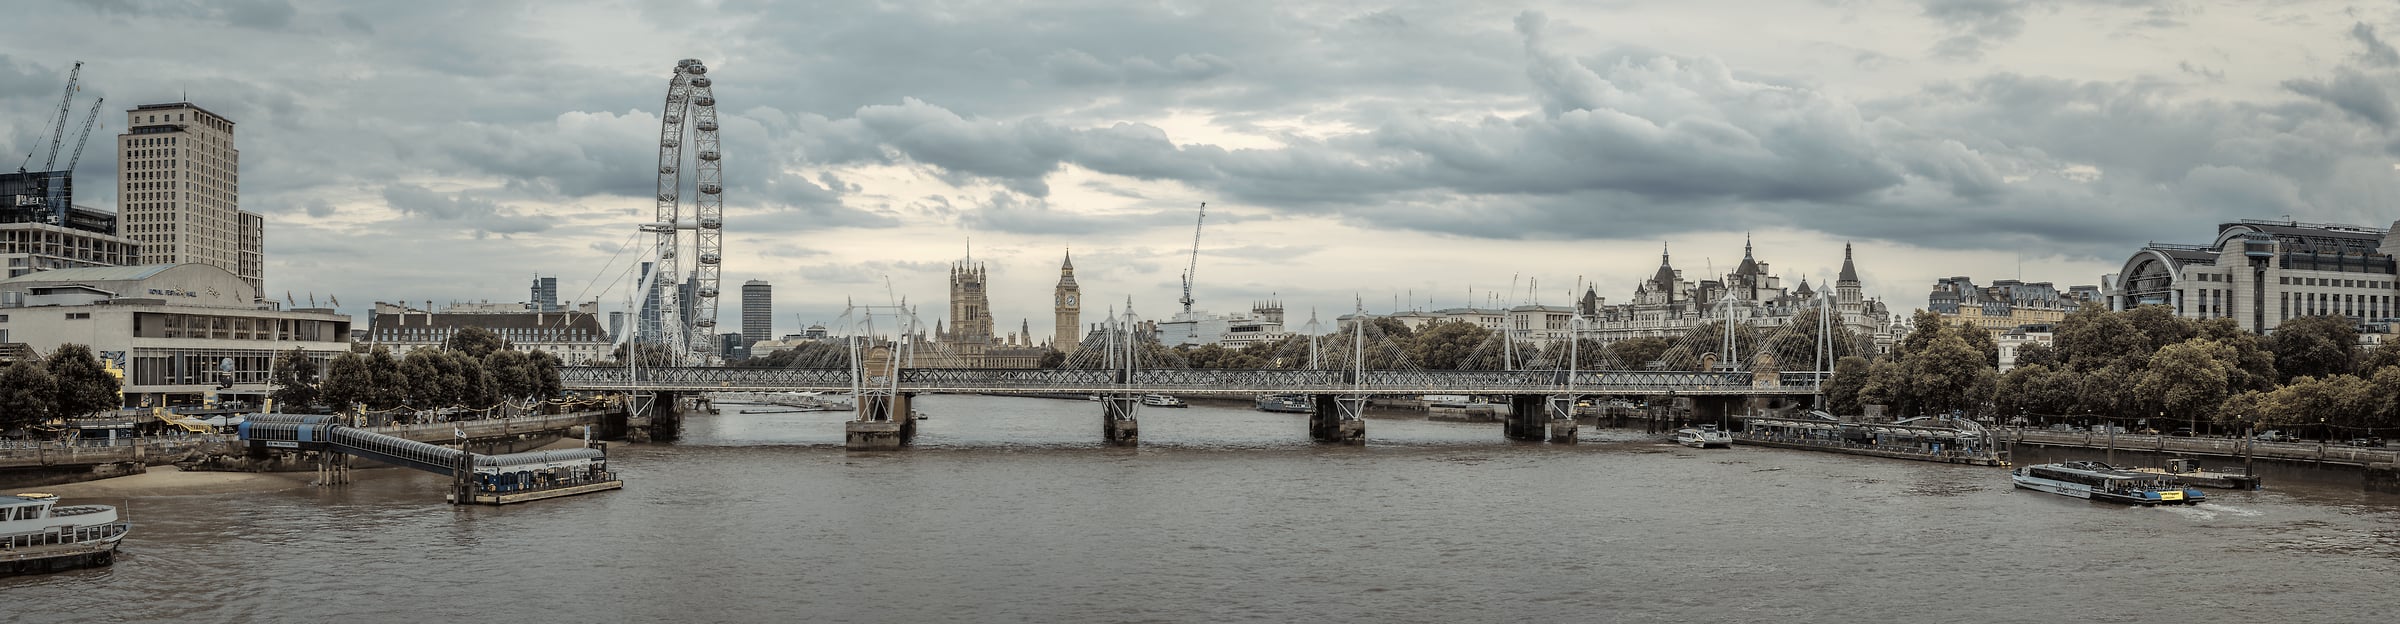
(511, 498)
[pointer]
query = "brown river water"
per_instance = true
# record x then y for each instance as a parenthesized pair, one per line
(1010, 510)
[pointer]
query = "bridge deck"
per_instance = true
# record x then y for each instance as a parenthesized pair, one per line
(1256, 381)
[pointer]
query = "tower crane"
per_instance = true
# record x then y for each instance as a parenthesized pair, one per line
(58, 128)
(86, 135)
(1195, 265)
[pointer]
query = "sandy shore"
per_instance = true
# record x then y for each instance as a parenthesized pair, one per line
(167, 481)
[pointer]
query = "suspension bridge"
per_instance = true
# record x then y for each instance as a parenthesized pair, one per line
(1542, 379)
(1542, 370)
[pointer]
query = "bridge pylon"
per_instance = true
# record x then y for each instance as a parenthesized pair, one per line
(1539, 417)
(1119, 424)
(1338, 419)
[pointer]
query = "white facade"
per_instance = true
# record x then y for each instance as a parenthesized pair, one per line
(170, 327)
(2260, 273)
(179, 191)
(575, 336)
(30, 247)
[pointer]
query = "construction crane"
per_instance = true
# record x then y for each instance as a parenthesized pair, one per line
(58, 128)
(86, 135)
(1195, 266)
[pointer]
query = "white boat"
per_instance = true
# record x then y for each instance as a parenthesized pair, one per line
(2098, 481)
(1161, 400)
(36, 535)
(1704, 436)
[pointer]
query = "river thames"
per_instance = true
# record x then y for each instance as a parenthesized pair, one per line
(1010, 510)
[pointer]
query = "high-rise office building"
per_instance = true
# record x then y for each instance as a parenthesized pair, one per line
(179, 191)
(758, 311)
(545, 294)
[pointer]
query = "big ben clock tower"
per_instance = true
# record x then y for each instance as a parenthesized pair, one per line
(1069, 306)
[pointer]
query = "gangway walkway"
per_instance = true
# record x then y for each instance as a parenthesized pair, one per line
(487, 479)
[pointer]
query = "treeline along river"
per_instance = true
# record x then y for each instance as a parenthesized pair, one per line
(1010, 510)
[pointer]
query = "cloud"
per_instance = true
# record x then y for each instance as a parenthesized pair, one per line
(1976, 25)
(2377, 53)
(480, 215)
(2350, 91)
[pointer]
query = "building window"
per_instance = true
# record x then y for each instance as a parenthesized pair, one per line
(79, 316)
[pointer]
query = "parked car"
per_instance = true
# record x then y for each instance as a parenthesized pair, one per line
(2273, 435)
(2366, 441)
(2183, 432)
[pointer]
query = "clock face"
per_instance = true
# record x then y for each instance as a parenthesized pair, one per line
(1070, 300)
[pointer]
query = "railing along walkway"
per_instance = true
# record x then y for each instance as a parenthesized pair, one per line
(1258, 381)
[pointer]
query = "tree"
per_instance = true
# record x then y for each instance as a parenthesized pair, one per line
(295, 379)
(510, 375)
(2315, 346)
(1456, 345)
(2188, 379)
(390, 384)
(2036, 354)
(2253, 364)
(81, 385)
(1842, 392)
(2336, 400)
(463, 377)
(1886, 385)
(2091, 339)
(26, 394)
(475, 341)
(1948, 375)
(348, 382)
(2160, 326)
(1981, 341)
(2381, 357)
(427, 387)
(1217, 356)
(546, 382)
(1053, 358)
(1639, 353)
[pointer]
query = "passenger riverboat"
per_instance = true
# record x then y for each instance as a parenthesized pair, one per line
(1704, 436)
(2098, 481)
(1287, 403)
(1161, 400)
(38, 536)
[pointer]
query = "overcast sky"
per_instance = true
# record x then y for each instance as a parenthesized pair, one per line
(1347, 150)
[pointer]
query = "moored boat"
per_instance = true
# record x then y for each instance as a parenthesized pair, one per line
(2098, 481)
(37, 535)
(1161, 400)
(1287, 403)
(1704, 436)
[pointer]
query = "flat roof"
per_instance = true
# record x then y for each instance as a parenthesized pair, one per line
(173, 105)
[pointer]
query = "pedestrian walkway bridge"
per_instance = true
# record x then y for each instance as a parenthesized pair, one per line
(478, 477)
(1169, 381)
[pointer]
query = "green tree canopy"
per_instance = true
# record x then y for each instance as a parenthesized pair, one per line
(1842, 391)
(26, 393)
(2189, 379)
(348, 382)
(475, 341)
(295, 379)
(81, 385)
(2315, 346)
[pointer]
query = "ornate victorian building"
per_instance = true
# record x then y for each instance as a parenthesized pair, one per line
(969, 340)
(1667, 306)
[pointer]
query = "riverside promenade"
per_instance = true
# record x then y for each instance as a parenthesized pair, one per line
(167, 449)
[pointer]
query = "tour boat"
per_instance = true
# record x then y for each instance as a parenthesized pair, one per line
(1161, 400)
(1704, 436)
(1289, 403)
(36, 535)
(2098, 481)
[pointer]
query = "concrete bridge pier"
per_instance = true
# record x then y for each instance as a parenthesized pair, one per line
(663, 412)
(1338, 420)
(885, 423)
(1118, 424)
(1528, 418)
(1563, 428)
(1718, 410)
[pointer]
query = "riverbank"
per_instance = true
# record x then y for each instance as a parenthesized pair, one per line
(169, 482)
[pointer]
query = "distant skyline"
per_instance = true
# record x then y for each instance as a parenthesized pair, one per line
(1348, 150)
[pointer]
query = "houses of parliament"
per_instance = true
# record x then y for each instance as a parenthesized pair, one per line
(969, 340)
